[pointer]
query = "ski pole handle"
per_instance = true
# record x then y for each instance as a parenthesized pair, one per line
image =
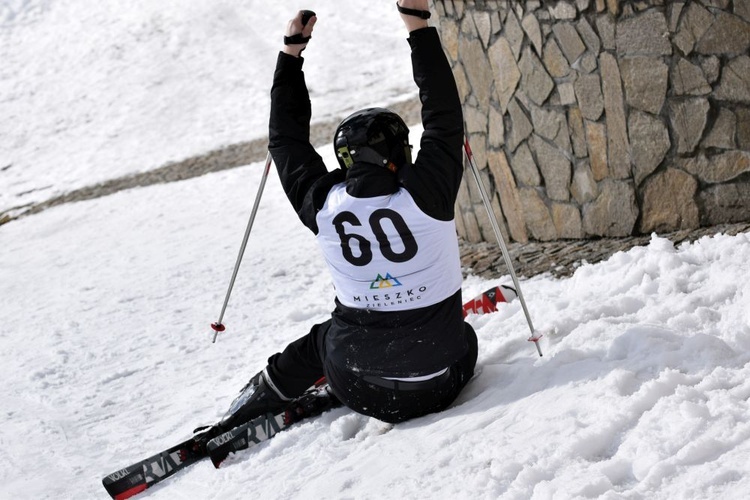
(306, 16)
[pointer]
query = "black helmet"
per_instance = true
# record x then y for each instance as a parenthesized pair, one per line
(373, 135)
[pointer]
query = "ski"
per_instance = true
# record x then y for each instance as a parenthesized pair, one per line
(487, 301)
(142, 475)
(312, 403)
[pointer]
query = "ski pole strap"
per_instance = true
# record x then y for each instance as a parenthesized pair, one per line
(422, 14)
(296, 39)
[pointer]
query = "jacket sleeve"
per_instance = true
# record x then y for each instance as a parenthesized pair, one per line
(434, 179)
(300, 167)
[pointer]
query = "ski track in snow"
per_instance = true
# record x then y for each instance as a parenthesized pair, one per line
(107, 357)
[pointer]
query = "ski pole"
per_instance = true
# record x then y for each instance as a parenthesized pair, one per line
(218, 326)
(496, 227)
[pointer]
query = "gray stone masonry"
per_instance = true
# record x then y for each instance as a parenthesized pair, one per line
(596, 122)
(602, 118)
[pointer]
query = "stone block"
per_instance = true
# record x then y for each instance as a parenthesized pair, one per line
(505, 71)
(617, 135)
(555, 168)
(459, 7)
(695, 21)
(718, 168)
(449, 38)
(711, 66)
(536, 83)
(649, 143)
(688, 79)
(569, 40)
(497, 22)
(669, 203)
(674, 10)
(478, 143)
(596, 140)
(613, 6)
(613, 213)
(606, 26)
(743, 128)
(742, 9)
(577, 132)
(502, 222)
(462, 82)
(530, 25)
(463, 199)
(723, 131)
(478, 69)
(514, 33)
(586, 63)
(590, 99)
(537, 216)
(735, 81)
(583, 186)
(476, 119)
(520, 126)
(589, 36)
(554, 60)
(471, 225)
(689, 118)
(567, 221)
(725, 204)
(728, 35)
(643, 34)
(496, 135)
(563, 10)
(551, 124)
(567, 93)
(507, 191)
(719, 4)
(483, 24)
(645, 80)
(524, 168)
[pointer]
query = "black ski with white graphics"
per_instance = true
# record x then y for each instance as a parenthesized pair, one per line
(313, 402)
(138, 477)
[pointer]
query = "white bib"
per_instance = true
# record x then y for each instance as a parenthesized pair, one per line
(385, 254)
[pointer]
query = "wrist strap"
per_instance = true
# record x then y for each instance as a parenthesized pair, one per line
(423, 14)
(296, 39)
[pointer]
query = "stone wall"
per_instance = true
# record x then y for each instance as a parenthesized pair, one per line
(594, 118)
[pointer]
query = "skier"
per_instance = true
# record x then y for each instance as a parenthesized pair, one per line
(396, 346)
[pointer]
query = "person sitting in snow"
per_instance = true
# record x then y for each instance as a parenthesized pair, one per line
(396, 346)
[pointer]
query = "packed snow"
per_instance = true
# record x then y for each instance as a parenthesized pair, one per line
(106, 353)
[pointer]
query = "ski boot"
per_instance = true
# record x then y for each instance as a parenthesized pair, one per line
(257, 398)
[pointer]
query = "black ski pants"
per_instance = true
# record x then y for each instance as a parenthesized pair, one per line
(303, 362)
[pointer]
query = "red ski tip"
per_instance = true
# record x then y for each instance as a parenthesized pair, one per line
(131, 492)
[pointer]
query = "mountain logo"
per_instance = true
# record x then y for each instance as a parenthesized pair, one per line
(387, 282)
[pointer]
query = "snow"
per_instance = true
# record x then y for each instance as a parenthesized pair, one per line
(106, 352)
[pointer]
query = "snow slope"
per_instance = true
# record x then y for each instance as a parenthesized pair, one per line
(105, 352)
(90, 90)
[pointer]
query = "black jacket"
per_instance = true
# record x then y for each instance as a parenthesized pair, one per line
(403, 343)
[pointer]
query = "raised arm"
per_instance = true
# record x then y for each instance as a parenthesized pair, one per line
(297, 163)
(436, 175)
